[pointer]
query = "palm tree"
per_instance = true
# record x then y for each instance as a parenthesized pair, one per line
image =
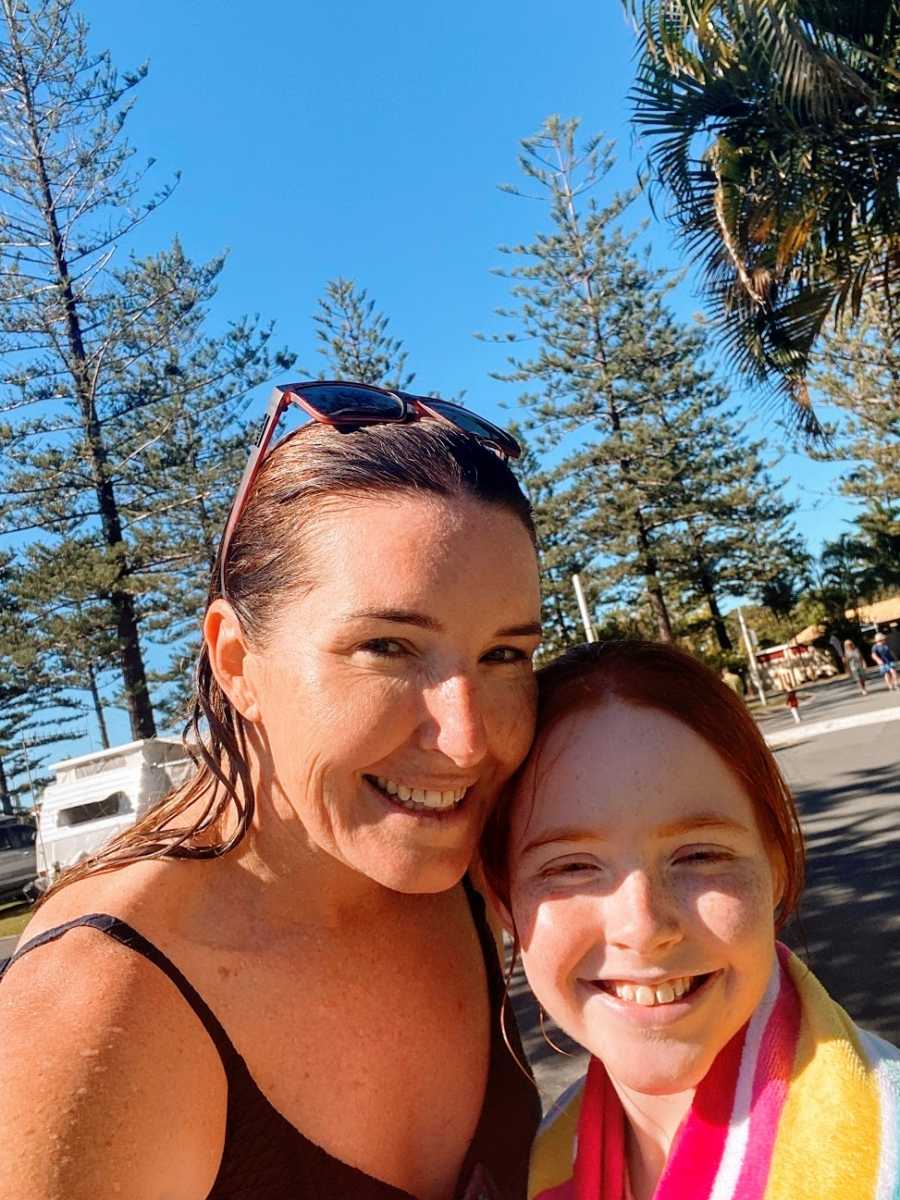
(775, 133)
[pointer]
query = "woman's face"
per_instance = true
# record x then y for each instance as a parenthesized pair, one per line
(397, 695)
(642, 893)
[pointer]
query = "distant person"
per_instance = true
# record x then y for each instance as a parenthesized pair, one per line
(793, 704)
(644, 860)
(732, 680)
(855, 664)
(887, 663)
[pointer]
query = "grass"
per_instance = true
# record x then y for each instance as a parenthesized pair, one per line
(13, 918)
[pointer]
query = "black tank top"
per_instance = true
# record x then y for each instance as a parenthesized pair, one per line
(266, 1158)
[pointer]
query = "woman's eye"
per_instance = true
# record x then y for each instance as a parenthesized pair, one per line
(383, 647)
(505, 654)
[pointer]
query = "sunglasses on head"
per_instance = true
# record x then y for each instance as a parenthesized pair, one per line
(353, 405)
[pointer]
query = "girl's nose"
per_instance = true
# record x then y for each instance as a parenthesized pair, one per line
(641, 915)
(455, 724)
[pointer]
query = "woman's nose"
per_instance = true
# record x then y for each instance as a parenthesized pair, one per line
(642, 915)
(455, 724)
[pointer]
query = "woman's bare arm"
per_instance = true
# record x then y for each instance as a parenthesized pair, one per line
(110, 1088)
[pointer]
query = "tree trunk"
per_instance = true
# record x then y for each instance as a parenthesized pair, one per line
(651, 577)
(137, 694)
(6, 803)
(725, 642)
(98, 707)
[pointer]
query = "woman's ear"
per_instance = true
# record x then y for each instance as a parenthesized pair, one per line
(229, 657)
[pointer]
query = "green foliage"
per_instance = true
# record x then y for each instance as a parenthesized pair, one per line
(651, 487)
(353, 336)
(35, 711)
(774, 132)
(119, 413)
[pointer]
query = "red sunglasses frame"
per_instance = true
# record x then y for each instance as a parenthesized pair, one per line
(409, 407)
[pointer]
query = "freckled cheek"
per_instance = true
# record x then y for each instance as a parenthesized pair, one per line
(737, 910)
(556, 935)
(510, 717)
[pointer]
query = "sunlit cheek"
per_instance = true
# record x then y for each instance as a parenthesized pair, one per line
(557, 934)
(736, 908)
(511, 723)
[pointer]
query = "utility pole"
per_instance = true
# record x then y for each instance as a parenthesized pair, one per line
(589, 631)
(751, 659)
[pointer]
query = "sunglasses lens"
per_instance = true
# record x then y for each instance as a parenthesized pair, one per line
(337, 402)
(477, 426)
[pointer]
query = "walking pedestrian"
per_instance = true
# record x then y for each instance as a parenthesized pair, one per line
(794, 705)
(887, 663)
(855, 664)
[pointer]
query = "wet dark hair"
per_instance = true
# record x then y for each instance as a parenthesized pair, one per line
(654, 675)
(316, 470)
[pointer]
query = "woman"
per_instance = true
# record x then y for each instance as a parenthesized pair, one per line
(644, 857)
(290, 990)
(855, 664)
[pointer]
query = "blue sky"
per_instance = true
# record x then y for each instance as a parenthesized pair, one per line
(367, 140)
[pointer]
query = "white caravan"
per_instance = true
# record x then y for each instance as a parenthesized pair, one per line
(98, 795)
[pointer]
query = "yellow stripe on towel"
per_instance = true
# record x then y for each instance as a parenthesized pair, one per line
(553, 1152)
(827, 1145)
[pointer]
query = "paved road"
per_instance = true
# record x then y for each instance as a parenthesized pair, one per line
(7, 945)
(847, 784)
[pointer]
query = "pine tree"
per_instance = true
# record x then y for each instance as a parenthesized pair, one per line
(564, 546)
(35, 712)
(674, 506)
(593, 311)
(858, 370)
(731, 533)
(353, 336)
(112, 395)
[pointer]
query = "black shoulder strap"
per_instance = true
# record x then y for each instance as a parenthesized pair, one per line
(127, 936)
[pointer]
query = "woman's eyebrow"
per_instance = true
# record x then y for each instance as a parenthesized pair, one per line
(399, 616)
(405, 616)
(601, 833)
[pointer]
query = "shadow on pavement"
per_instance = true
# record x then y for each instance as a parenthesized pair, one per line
(849, 926)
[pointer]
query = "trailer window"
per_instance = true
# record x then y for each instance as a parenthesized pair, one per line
(93, 810)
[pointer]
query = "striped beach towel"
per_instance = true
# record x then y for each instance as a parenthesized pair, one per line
(800, 1105)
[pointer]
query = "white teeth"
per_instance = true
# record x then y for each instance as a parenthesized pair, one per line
(413, 797)
(647, 996)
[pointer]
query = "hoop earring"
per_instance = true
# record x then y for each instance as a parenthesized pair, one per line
(507, 982)
(550, 1042)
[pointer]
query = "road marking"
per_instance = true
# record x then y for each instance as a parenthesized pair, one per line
(799, 733)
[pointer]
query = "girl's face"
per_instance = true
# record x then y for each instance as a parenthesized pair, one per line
(642, 893)
(396, 696)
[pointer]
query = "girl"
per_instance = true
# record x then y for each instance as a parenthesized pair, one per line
(644, 858)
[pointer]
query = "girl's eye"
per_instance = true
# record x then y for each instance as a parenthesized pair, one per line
(505, 654)
(568, 868)
(700, 857)
(383, 647)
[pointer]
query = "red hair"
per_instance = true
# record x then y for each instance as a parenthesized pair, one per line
(655, 675)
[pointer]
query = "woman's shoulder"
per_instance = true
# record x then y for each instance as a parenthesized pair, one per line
(111, 1065)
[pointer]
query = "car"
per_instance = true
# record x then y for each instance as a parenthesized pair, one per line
(18, 865)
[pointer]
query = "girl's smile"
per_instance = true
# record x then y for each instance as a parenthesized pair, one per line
(642, 893)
